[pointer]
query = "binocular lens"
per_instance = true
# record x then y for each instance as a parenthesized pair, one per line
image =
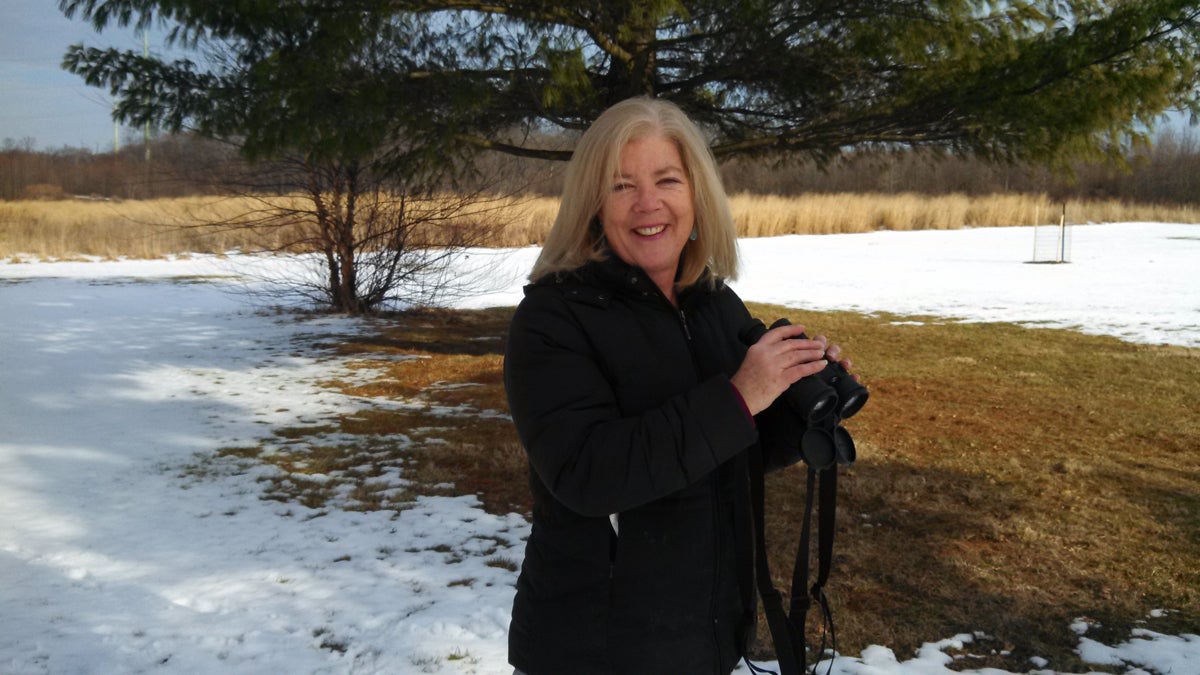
(821, 405)
(854, 403)
(852, 395)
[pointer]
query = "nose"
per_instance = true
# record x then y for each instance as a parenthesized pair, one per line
(647, 199)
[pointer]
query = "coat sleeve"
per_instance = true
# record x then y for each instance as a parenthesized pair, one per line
(591, 458)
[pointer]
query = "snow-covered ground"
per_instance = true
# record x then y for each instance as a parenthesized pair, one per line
(126, 547)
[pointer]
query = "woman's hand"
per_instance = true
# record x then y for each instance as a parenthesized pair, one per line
(776, 361)
(834, 353)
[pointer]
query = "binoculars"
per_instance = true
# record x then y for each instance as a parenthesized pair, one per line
(820, 402)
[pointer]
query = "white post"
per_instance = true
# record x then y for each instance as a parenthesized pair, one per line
(1037, 214)
(1062, 234)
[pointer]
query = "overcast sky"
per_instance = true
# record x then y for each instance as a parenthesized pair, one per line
(41, 101)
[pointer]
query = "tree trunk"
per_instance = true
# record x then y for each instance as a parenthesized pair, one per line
(351, 302)
(633, 67)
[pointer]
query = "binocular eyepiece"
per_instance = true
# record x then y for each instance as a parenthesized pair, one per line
(820, 402)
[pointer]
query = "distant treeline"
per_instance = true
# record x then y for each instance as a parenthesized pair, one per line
(182, 165)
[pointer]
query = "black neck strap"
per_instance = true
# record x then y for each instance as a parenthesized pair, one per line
(787, 630)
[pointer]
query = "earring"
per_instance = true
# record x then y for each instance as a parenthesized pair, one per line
(693, 236)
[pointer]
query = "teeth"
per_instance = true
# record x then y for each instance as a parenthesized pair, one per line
(650, 231)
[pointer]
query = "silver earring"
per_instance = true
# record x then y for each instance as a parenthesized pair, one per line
(693, 236)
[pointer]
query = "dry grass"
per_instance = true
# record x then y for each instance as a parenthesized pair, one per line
(1009, 481)
(151, 228)
(161, 227)
(767, 216)
(450, 433)
(449, 364)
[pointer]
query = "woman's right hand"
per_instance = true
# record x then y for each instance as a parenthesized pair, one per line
(775, 362)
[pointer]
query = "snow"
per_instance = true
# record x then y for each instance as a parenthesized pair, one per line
(127, 545)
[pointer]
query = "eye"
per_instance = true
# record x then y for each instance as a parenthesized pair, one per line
(622, 186)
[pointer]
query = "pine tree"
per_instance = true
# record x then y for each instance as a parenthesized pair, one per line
(1029, 80)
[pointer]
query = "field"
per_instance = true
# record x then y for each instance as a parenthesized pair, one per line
(1011, 480)
(156, 228)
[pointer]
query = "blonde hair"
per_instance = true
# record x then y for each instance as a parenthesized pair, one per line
(576, 237)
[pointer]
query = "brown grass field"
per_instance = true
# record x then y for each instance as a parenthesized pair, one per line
(1009, 480)
(160, 227)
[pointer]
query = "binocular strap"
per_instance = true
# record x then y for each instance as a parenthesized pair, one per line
(787, 629)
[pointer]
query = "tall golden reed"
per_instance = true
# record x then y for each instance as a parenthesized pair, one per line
(161, 227)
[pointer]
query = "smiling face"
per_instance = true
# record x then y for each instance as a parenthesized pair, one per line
(648, 211)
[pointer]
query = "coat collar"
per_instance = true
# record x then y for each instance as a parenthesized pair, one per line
(614, 276)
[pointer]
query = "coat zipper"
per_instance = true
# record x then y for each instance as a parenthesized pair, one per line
(714, 601)
(687, 333)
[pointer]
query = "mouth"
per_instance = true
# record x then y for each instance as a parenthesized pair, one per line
(649, 231)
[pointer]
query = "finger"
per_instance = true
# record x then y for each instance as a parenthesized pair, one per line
(805, 369)
(833, 352)
(802, 345)
(796, 352)
(787, 332)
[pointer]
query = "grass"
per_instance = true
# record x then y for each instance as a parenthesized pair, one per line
(156, 228)
(444, 367)
(1009, 480)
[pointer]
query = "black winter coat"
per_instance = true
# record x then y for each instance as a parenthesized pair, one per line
(624, 405)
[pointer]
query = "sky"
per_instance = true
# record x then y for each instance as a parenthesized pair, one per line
(39, 99)
(128, 546)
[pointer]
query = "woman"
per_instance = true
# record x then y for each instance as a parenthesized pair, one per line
(636, 400)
